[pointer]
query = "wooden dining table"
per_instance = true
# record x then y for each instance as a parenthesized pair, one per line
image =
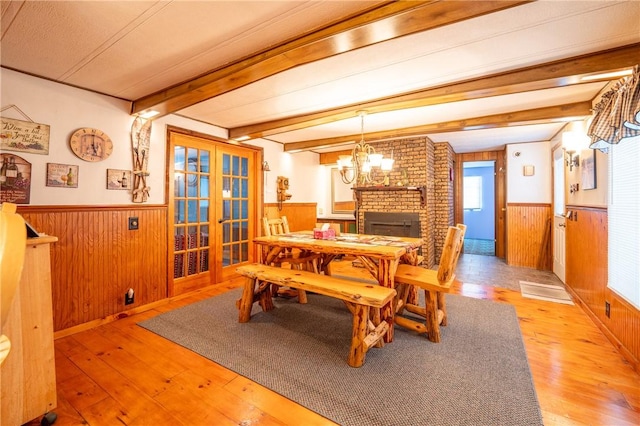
(380, 254)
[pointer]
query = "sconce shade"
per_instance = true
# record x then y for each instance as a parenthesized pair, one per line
(574, 141)
(375, 160)
(344, 161)
(387, 164)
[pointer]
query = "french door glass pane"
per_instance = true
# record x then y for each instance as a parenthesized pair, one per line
(179, 212)
(178, 265)
(204, 260)
(178, 164)
(179, 239)
(204, 161)
(179, 184)
(235, 209)
(192, 206)
(204, 186)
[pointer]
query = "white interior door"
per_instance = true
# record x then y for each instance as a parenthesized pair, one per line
(559, 221)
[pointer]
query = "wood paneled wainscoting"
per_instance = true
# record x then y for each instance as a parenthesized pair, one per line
(301, 216)
(97, 259)
(587, 269)
(527, 244)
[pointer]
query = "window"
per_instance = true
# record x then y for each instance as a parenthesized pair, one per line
(624, 219)
(472, 191)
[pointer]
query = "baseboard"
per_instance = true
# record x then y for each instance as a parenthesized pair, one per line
(626, 354)
(139, 309)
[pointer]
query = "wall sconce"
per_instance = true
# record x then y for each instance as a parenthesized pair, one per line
(572, 159)
(572, 142)
(265, 169)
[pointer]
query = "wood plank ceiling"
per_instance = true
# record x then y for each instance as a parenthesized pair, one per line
(478, 74)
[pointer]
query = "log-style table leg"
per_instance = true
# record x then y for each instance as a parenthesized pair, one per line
(386, 273)
(246, 302)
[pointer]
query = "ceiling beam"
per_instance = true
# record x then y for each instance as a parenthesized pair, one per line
(549, 75)
(516, 118)
(399, 18)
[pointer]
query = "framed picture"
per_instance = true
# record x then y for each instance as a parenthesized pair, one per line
(24, 136)
(118, 179)
(62, 175)
(588, 169)
(15, 179)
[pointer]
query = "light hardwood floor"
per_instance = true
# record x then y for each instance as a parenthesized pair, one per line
(119, 373)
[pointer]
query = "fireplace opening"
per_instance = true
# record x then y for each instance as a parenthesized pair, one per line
(392, 224)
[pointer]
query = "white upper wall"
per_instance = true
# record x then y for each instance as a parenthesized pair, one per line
(301, 168)
(66, 109)
(529, 189)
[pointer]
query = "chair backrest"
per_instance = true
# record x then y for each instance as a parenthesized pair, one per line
(275, 226)
(463, 229)
(13, 241)
(448, 259)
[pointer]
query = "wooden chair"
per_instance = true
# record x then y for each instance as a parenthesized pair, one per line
(434, 283)
(13, 236)
(275, 226)
(295, 259)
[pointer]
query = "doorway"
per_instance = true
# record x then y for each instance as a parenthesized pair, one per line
(479, 207)
(559, 219)
(212, 199)
(500, 188)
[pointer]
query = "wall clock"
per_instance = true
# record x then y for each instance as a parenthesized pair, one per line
(91, 144)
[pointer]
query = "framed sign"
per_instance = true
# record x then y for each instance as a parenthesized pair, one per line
(62, 175)
(118, 179)
(24, 136)
(588, 169)
(15, 179)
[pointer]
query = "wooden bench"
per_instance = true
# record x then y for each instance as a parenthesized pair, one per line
(434, 311)
(434, 283)
(359, 298)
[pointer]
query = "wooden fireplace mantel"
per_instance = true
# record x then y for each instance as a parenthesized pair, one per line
(422, 189)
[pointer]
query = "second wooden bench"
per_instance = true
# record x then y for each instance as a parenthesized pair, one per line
(358, 297)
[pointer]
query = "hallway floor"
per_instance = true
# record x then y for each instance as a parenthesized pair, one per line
(493, 271)
(476, 246)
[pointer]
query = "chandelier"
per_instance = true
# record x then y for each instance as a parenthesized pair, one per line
(359, 167)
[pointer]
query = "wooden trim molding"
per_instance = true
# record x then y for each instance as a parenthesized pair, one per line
(84, 208)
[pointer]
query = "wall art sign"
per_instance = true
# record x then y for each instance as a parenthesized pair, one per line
(15, 179)
(588, 169)
(141, 145)
(62, 175)
(118, 179)
(24, 136)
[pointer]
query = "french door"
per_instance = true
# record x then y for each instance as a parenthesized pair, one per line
(212, 210)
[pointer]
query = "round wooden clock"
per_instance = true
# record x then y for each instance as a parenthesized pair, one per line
(91, 144)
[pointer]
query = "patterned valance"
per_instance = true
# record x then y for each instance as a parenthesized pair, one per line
(617, 115)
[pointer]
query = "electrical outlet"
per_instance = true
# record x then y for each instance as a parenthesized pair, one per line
(133, 223)
(607, 309)
(129, 297)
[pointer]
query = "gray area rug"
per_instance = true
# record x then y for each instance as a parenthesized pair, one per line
(478, 375)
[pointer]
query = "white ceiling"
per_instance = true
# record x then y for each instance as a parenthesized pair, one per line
(133, 49)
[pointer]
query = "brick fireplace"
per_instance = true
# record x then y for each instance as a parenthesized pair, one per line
(420, 185)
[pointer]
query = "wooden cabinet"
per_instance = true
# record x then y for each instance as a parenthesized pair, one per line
(27, 377)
